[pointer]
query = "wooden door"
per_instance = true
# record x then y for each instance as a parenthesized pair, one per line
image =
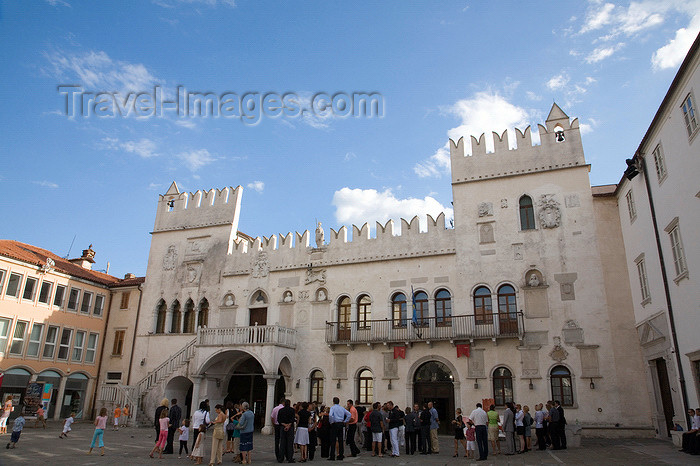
(665, 393)
(258, 315)
(442, 394)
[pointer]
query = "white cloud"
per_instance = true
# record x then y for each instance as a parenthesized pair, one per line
(483, 113)
(196, 159)
(145, 148)
(597, 18)
(671, 55)
(186, 123)
(154, 186)
(357, 206)
(46, 184)
(96, 71)
(558, 82)
(532, 96)
(601, 53)
(258, 186)
(349, 156)
(58, 3)
(209, 3)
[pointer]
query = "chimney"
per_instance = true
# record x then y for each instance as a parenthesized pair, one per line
(86, 260)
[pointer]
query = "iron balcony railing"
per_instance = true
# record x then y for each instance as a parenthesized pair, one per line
(464, 327)
(252, 335)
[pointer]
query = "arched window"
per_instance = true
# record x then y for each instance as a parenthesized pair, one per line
(443, 308)
(507, 310)
(160, 316)
(482, 305)
(398, 306)
(344, 309)
(175, 322)
(365, 387)
(189, 316)
(203, 314)
(527, 213)
(502, 386)
(364, 312)
(420, 299)
(316, 385)
(560, 378)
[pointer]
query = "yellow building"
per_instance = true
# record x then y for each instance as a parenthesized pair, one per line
(53, 315)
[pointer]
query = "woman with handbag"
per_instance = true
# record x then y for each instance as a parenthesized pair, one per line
(218, 437)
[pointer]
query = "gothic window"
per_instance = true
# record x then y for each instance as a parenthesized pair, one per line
(364, 312)
(420, 300)
(259, 298)
(365, 387)
(316, 385)
(203, 317)
(527, 213)
(482, 305)
(398, 306)
(161, 310)
(175, 322)
(189, 317)
(443, 308)
(502, 386)
(560, 378)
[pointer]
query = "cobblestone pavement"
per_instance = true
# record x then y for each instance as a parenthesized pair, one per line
(130, 446)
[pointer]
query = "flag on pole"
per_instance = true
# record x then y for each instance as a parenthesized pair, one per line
(415, 311)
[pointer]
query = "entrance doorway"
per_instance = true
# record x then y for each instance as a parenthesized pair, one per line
(258, 316)
(247, 384)
(433, 381)
(665, 394)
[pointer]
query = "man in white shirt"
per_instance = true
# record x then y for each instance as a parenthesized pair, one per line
(481, 420)
(276, 425)
(694, 428)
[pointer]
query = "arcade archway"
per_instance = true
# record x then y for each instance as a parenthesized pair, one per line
(433, 381)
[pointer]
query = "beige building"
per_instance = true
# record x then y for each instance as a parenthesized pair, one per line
(525, 298)
(658, 208)
(53, 314)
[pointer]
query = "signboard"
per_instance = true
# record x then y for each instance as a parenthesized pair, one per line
(33, 397)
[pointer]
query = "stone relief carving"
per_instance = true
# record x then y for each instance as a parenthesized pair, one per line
(518, 251)
(261, 266)
(486, 234)
(485, 209)
(504, 203)
(192, 273)
(533, 280)
(170, 258)
(315, 276)
(558, 353)
(303, 295)
(321, 294)
(572, 200)
(549, 211)
(229, 300)
(287, 297)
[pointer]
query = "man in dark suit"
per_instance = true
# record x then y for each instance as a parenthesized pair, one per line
(562, 425)
(175, 416)
(286, 417)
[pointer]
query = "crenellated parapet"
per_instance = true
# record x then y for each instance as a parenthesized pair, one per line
(560, 147)
(281, 254)
(182, 210)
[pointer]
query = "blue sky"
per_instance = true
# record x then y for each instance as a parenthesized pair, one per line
(443, 70)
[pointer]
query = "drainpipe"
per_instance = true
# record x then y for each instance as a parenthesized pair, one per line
(681, 378)
(133, 340)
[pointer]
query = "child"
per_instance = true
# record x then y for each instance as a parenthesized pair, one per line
(164, 423)
(198, 450)
(100, 426)
(66, 425)
(117, 415)
(125, 416)
(471, 439)
(40, 417)
(184, 437)
(16, 430)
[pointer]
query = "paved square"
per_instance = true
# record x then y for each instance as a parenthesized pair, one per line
(130, 446)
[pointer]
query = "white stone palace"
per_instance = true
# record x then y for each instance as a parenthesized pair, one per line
(532, 277)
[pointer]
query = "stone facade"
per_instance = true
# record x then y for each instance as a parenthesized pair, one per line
(530, 278)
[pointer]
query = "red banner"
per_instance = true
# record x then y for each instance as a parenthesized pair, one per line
(463, 350)
(399, 352)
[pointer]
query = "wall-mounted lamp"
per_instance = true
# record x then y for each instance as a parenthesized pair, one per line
(476, 384)
(218, 382)
(389, 387)
(531, 385)
(592, 385)
(143, 361)
(298, 382)
(338, 384)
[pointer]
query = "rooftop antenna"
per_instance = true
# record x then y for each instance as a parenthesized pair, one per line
(71, 247)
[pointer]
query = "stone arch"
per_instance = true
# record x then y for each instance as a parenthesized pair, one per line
(203, 313)
(258, 298)
(160, 313)
(220, 355)
(432, 357)
(180, 388)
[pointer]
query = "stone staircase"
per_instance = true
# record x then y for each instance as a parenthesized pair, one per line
(111, 394)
